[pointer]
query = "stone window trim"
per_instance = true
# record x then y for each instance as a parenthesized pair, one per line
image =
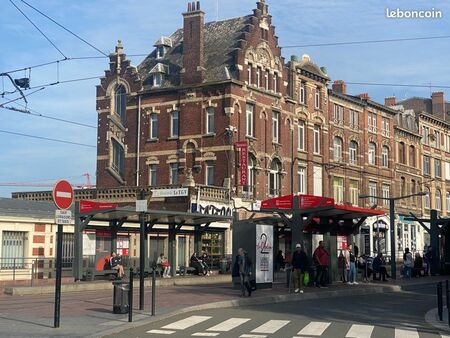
(151, 161)
(116, 120)
(114, 174)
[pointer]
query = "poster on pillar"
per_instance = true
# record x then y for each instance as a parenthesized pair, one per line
(264, 253)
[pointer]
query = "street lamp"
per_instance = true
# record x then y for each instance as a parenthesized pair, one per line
(392, 223)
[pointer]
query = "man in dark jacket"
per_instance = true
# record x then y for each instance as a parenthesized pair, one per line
(321, 257)
(299, 267)
(243, 268)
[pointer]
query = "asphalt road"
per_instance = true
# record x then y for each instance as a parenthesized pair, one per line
(397, 315)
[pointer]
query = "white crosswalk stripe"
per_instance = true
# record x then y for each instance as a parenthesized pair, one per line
(252, 336)
(186, 323)
(360, 331)
(271, 326)
(229, 324)
(314, 329)
(206, 334)
(406, 333)
(161, 331)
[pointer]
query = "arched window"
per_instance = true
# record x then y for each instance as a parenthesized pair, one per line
(249, 189)
(447, 200)
(402, 186)
(275, 178)
(372, 153)
(118, 158)
(353, 152)
(438, 200)
(337, 149)
(427, 198)
(385, 157)
(401, 153)
(120, 102)
(412, 156)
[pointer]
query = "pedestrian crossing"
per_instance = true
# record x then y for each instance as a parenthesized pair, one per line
(245, 328)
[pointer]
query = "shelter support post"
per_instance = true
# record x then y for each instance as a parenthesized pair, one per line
(142, 254)
(172, 248)
(393, 235)
(113, 226)
(197, 240)
(297, 223)
(78, 246)
(434, 241)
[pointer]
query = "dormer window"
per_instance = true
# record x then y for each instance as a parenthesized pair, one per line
(158, 72)
(157, 80)
(162, 45)
(160, 52)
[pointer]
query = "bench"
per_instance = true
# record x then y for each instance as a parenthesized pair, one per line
(92, 273)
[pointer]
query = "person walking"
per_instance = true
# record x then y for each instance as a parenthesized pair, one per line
(342, 270)
(407, 263)
(352, 265)
(378, 265)
(243, 268)
(428, 260)
(299, 266)
(321, 257)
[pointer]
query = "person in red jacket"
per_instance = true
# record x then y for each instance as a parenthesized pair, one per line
(321, 257)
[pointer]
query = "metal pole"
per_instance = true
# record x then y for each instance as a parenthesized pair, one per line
(153, 291)
(142, 255)
(130, 298)
(447, 301)
(393, 234)
(58, 275)
(14, 269)
(439, 299)
(32, 272)
(378, 235)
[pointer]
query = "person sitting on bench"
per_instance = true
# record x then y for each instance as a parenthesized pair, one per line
(378, 266)
(164, 264)
(196, 264)
(116, 264)
(418, 269)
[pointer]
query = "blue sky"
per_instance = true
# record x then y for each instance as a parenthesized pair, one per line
(140, 23)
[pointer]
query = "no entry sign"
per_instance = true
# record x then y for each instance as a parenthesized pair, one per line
(63, 194)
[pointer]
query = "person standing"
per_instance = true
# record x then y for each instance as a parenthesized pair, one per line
(428, 260)
(243, 268)
(378, 266)
(407, 263)
(299, 266)
(321, 257)
(352, 266)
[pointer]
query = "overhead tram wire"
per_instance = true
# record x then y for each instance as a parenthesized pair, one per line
(397, 85)
(47, 139)
(21, 97)
(45, 36)
(66, 29)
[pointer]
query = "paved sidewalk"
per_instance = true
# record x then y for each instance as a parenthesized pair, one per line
(90, 313)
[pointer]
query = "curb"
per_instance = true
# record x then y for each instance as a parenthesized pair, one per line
(431, 317)
(254, 301)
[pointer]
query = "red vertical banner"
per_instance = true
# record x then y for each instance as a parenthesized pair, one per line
(242, 146)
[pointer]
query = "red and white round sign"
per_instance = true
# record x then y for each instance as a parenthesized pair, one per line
(63, 194)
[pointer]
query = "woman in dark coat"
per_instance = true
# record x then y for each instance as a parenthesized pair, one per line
(195, 263)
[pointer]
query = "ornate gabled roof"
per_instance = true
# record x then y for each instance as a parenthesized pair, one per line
(163, 41)
(308, 66)
(221, 40)
(159, 68)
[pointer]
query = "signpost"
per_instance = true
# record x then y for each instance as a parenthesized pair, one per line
(63, 198)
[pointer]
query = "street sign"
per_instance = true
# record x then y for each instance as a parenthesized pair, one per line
(89, 206)
(63, 216)
(141, 205)
(176, 192)
(305, 202)
(63, 194)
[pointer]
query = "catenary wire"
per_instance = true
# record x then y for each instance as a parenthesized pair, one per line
(66, 29)
(47, 138)
(45, 36)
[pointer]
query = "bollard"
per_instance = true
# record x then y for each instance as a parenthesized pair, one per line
(153, 291)
(439, 299)
(447, 296)
(130, 298)
(32, 273)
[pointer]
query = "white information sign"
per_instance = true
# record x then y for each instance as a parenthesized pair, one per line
(264, 253)
(177, 192)
(89, 244)
(141, 205)
(63, 216)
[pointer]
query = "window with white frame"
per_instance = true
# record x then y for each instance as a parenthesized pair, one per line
(13, 249)
(402, 186)
(354, 193)
(353, 152)
(275, 178)
(337, 149)
(372, 153)
(120, 102)
(153, 126)
(385, 131)
(372, 122)
(426, 135)
(338, 114)
(437, 139)
(152, 171)
(385, 156)
(210, 112)
(385, 194)
(209, 173)
(249, 73)
(301, 135)
(447, 200)
(275, 126)
(249, 119)
(118, 158)
(447, 143)
(160, 52)
(426, 165)
(157, 79)
(258, 77)
(317, 99)
(173, 177)
(372, 193)
(412, 156)
(427, 199)
(316, 139)
(174, 124)
(251, 173)
(437, 168)
(302, 97)
(275, 82)
(354, 119)
(266, 80)
(338, 190)
(302, 180)
(438, 200)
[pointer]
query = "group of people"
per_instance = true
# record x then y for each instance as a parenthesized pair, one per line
(200, 264)
(419, 265)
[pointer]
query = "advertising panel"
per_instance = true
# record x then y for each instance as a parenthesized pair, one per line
(264, 253)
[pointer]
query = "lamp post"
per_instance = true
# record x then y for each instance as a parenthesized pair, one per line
(392, 224)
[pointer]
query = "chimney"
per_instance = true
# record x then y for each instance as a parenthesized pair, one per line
(364, 96)
(438, 103)
(193, 71)
(390, 101)
(339, 87)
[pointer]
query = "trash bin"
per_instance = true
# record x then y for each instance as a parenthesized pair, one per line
(120, 297)
(223, 265)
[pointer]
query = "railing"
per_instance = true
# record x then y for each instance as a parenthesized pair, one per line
(214, 193)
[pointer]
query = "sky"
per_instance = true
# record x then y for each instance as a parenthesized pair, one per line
(139, 24)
